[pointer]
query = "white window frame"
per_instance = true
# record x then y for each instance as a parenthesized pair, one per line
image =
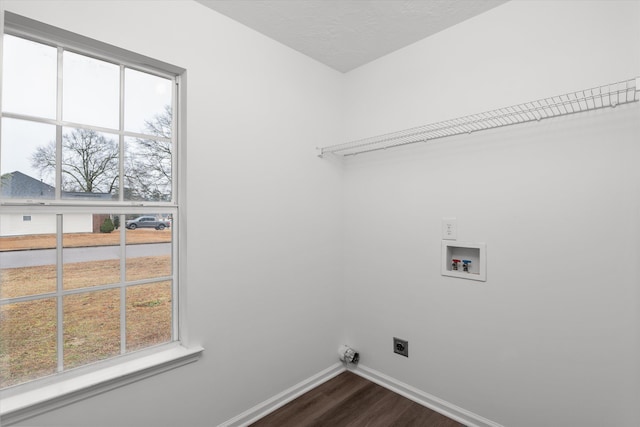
(26, 400)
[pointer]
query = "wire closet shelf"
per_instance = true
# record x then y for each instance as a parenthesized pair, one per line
(607, 96)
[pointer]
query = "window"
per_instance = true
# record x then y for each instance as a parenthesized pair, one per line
(90, 212)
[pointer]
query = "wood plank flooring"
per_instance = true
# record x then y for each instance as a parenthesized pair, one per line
(349, 400)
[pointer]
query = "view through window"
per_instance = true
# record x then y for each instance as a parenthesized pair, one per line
(88, 225)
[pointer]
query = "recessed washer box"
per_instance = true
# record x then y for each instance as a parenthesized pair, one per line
(464, 260)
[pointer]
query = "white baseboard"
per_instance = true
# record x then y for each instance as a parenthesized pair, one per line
(425, 399)
(262, 409)
(450, 410)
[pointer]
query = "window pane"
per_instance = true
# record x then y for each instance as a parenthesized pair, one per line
(27, 160)
(91, 327)
(148, 169)
(91, 91)
(27, 255)
(87, 131)
(147, 104)
(148, 247)
(29, 78)
(91, 253)
(27, 341)
(90, 165)
(148, 315)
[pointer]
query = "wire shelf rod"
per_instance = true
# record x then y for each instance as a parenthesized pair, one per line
(606, 96)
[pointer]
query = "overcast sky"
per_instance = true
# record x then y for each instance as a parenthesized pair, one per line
(91, 90)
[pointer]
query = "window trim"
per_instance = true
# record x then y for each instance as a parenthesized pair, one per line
(23, 401)
(43, 33)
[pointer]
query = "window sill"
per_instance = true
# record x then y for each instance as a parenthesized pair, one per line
(22, 405)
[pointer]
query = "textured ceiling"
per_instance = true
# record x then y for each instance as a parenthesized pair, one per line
(345, 34)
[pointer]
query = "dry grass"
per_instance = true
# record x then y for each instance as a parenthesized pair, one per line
(76, 240)
(91, 321)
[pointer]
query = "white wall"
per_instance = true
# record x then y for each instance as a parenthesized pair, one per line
(551, 338)
(263, 212)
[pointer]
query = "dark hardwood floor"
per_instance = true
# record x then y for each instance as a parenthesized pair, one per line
(350, 400)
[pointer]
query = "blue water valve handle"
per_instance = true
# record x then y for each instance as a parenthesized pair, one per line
(465, 265)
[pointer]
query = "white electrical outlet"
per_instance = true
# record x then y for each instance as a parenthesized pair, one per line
(449, 228)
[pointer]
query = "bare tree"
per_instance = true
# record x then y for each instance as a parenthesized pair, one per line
(148, 169)
(89, 162)
(161, 123)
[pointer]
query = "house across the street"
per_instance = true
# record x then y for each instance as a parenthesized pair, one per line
(17, 185)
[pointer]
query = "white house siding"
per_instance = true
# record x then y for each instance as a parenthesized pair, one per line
(15, 224)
